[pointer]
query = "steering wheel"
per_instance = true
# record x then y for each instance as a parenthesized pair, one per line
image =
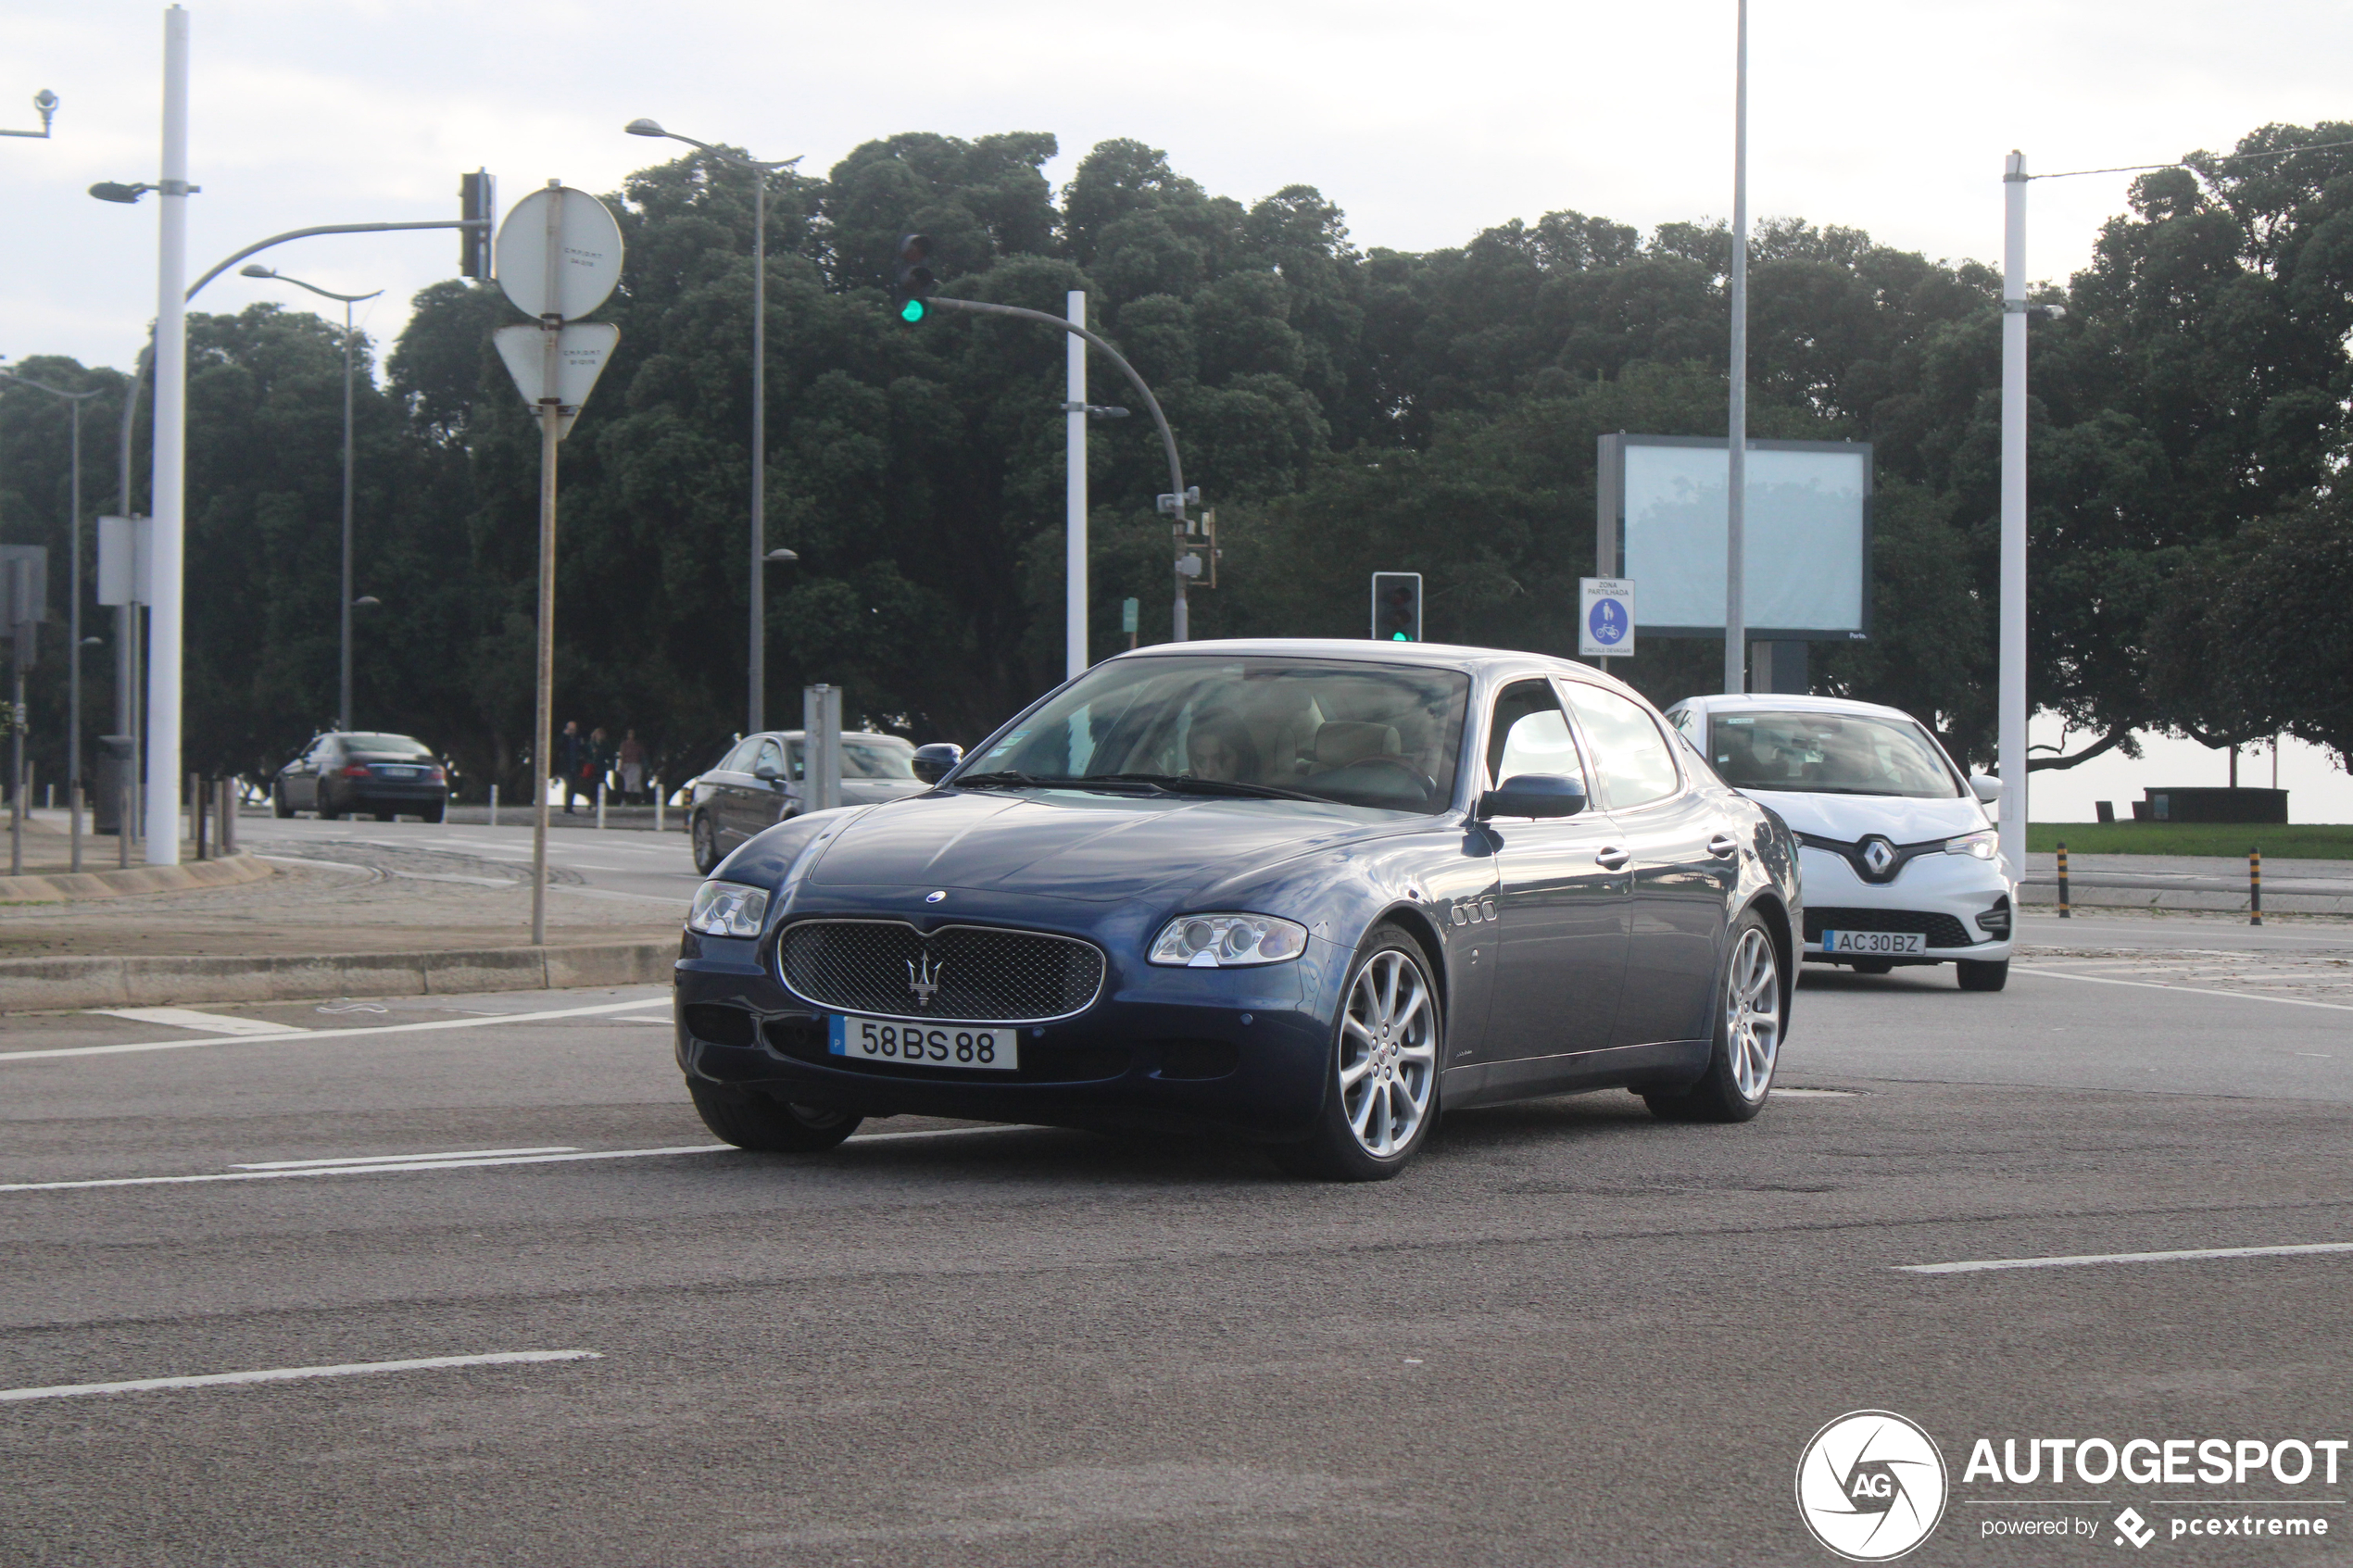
(1423, 787)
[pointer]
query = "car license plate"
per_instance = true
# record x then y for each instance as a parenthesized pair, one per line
(1874, 944)
(927, 1045)
(398, 772)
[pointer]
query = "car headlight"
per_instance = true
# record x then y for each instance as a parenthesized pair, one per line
(1984, 843)
(1226, 941)
(728, 909)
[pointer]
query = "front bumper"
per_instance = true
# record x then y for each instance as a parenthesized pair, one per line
(1240, 1052)
(1943, 895)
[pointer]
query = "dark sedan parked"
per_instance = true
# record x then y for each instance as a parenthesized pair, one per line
(1302, 892)
(354, 772)
(757, 785)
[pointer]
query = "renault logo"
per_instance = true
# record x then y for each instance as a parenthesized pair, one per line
(1879, 856)
(922, 982)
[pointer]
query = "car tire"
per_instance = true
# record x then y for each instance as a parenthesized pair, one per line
(1984, 974)
(387, 816)
(436, 813)
(703, 834)
(1872, 966)
(1749, 1013)
(750, 1119)
(277, 805)
(1388, 1047)
(327, 813)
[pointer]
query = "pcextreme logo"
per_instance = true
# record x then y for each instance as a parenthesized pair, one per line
(1870, 1486)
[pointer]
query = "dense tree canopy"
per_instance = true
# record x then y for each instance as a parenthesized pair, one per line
(1342, 408)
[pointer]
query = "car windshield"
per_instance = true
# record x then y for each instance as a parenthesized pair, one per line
(870, 758)
(1361, 734)
(1830, 754)
(384, 745)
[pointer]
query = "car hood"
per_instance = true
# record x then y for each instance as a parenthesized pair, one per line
(1851, 817)
(1066, 844)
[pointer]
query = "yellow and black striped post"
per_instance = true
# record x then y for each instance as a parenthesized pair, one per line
(2064, 913)
(2255, 886)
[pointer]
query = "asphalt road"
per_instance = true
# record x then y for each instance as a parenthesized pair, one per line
(643, 864)
(1570, 1335)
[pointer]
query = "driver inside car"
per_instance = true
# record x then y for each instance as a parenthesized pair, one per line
(1218, 747)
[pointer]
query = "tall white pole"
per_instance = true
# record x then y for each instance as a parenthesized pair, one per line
(758, 706)
(1075, 465)
(1736, 474)
(167, 539)
(2012, 725)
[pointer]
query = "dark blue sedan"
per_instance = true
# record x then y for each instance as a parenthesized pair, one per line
(1304, 892)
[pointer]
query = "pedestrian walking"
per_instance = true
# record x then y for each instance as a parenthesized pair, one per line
(571, 762)
(632, 767)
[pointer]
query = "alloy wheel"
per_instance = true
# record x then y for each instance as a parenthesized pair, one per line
(1753, 1013)
(1388, 1052)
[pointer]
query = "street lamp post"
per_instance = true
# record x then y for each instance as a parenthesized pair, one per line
(757, 705)
(73, 607)
(342, 686)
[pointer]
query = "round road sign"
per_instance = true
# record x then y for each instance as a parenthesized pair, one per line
(588, 254)
(1607, 622)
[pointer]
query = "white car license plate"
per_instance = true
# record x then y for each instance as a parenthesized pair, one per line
(929, 1045)
(398, 772)
(1875, 944)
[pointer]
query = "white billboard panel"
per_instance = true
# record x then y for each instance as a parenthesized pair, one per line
(1809, 532)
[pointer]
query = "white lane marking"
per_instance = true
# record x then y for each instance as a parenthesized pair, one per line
(307, 1036)
(2193, 990)
(401, 1159)
(210, 1022)
(289, 1374)
(1981, 1265)
(1814, 1094)
(427, 1163)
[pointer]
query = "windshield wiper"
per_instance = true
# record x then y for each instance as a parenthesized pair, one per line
(1180, 783)
(1006, 778)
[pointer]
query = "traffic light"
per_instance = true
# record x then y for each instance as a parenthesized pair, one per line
(1397, 607)
(912, 285)
(477, 202)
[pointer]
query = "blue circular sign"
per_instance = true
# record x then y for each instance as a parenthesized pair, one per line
(1608, 623)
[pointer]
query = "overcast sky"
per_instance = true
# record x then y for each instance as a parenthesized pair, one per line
(1426, 123)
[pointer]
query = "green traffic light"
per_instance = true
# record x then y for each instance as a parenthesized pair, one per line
(1399, 638)
(911, 312)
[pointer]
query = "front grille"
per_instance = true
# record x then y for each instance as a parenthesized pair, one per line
(1941, 931)
(967, 974)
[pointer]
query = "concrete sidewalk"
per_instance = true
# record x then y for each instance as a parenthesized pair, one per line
(2190, 881)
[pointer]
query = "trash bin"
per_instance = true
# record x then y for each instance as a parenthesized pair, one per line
(114, 772)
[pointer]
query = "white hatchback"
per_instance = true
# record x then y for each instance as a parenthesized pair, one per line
(1900, 860)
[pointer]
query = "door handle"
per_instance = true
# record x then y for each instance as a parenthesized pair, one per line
(1723, 846)
(1612, 858)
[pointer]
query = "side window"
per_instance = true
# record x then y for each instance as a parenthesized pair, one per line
(1636, 764)
(769, 761)
(795, 767)
(1530, 735)
(740, 760)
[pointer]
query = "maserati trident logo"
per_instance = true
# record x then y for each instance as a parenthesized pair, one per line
(1879, 855)
(924, 981)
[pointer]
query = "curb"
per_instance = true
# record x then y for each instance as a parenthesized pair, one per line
(2046, 896)
(59, 887)
(57, 985)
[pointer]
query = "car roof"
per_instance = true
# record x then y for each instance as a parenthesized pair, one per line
(804, 734)
(1790, 702)
(1426, 656)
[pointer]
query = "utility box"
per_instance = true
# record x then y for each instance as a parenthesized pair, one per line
(115, 759)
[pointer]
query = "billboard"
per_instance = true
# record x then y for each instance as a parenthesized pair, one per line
(1662, 502)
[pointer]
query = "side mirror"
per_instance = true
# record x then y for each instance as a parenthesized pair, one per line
(767, 771)
(1985, 786)
(1533, 794)
(933, 762)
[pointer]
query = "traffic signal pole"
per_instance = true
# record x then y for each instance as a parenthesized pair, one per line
(1074, 489)
(1167, 437)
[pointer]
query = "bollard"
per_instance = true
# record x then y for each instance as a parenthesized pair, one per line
(600, 805)
(229, 793)
(658, 793)
(2064, 913)
(122, 820)
(73, 811)
(494, 805)
(2255, 886)
(196, 793)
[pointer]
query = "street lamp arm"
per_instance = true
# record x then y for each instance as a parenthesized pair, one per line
(323, 293)
(334, 229)
(43, 386)
(1167, 438)
(725, 156)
